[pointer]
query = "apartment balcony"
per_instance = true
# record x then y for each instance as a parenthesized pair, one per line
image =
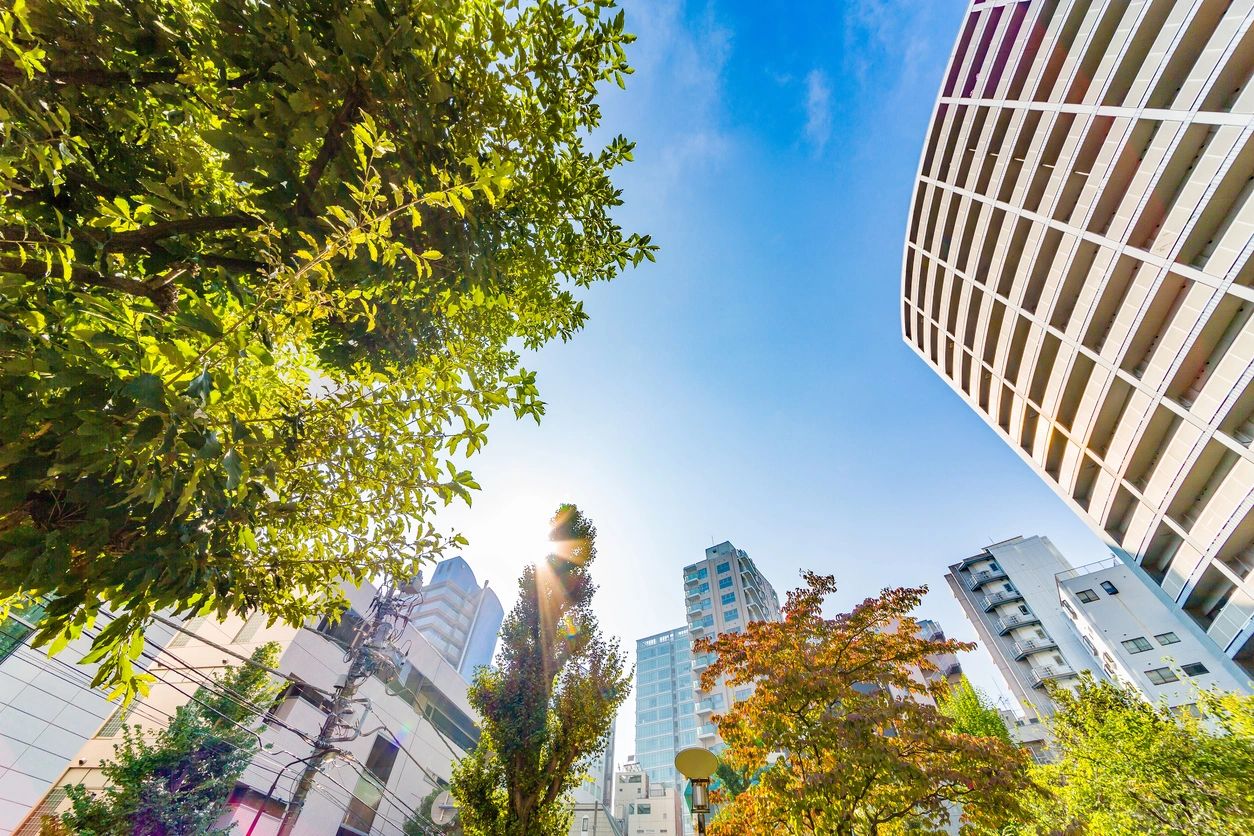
(705, 708)
(978, 579)
(991, 601)
(1039, 676)
(1030, 646)
(692, 593)
(707, 732)
(696, 610)
(1009, 622)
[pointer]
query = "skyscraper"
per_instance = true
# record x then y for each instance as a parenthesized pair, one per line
(1077, 268)
(459, 617)
(723, 592)
(666, 719)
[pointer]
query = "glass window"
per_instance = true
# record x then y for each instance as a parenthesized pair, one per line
(1110, 588)
(729, 598)
(1138, 645)
(18, 626)
(644, 808)
(706, 603)
(724, 568)
(1194, 669)
(1086, 596)
(1167, 638)
(705, 587)
(731, 615)
(1161, 676)
(725, 583)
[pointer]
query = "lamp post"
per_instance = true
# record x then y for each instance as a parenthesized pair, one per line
(697, 765)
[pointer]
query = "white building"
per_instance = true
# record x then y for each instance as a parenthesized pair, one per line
(1140, 640)
(723, 592)
(666, 716)
(598, 785)
(1078, 269)
(645, 808)
(459, 617)
(415, 726)
(1008, 593)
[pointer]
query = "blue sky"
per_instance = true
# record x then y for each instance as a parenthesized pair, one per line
(753, 386)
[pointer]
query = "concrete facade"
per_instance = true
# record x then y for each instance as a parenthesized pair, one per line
(646, 808)
(1077, 268)
(1008, 593)
(459, 617)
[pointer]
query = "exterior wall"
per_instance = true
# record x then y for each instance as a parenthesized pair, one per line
(598, 788)
(666, 718)
(723, 592)
(947, 666)
(460, 618)
(594, 819)
(48, 710)
(425, 754)
(645, 808)
(1159, 636)
(1008, 592)
(1077, 268)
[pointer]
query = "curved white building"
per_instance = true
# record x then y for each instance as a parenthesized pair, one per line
(1077, 267)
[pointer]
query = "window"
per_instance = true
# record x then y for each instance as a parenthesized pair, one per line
(633, 779)
(364, 802)
(1161, 676)
(1007, 588)
(1086, 596)
(1194, 669)
(584, 828)
(1110, 588)
(706, 604)
(1138, 645)
(1167, 638)
(1089, 644)
(644, 808)
(1024, 610)
(725, 583)
(705, 587)
(993, 567)
(20, 624)
(731, 615)
(729, 598)
(724, 568)
(1070, 612)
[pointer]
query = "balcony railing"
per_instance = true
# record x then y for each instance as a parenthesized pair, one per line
(1039, 676)
(978, 579)
(996, 598)
(1029, 646)
(1008, 622)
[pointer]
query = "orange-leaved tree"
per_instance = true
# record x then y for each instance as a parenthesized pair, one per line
(844, 727)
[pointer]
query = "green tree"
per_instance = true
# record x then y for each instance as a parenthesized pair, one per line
(178, 781)
(548, 703)
(1127, 766)
(971, 711)
(263, 270)
(842, 727)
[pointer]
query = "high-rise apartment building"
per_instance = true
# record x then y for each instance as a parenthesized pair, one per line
(459, 617)
(666, 718)
(1008, 593)
(723, 592)
(1078, 269)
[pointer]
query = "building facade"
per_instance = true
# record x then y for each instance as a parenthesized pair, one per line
(646, 808)
(723, 592)
(417, 723)
(459, 617)
(1140, 640)
(1077, 268)
(1008, 593)
(666, 718)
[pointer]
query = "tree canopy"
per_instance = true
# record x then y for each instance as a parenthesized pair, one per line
(971, 712)
(264, 268)
(547, 705)
(842, 728)
(1127, 766)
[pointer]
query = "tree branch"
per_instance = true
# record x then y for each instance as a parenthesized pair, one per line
(144, 237)
(160, 290)
(332, 142)
(10, 74)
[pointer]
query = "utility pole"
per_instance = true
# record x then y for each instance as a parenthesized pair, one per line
(371, 652)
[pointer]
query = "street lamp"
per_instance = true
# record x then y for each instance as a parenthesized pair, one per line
(697, 765)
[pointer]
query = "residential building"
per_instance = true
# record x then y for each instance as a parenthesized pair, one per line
(592, 818)
(1008, 593)
(459, 617)
(947, 666)
(723, 592)
(1140, 640)
(646, 808)
(1078, 269)
(413, 726)
(666, 719)
(598, 787)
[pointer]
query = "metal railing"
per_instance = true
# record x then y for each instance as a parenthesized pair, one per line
(1039, 676)
(978, 579)
(1023, 648)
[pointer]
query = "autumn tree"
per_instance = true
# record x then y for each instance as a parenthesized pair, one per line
(971, 712)
(842, 726)
(179, 780)
(548, 702)
(263, 271)
(1127, 766)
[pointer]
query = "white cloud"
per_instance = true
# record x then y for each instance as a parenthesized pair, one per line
(818, 110)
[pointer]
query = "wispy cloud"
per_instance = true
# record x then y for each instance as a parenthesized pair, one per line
(886, 34)
(818, 110)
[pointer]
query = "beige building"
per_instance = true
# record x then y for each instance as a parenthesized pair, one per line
(1077, 268)
(646, 808)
